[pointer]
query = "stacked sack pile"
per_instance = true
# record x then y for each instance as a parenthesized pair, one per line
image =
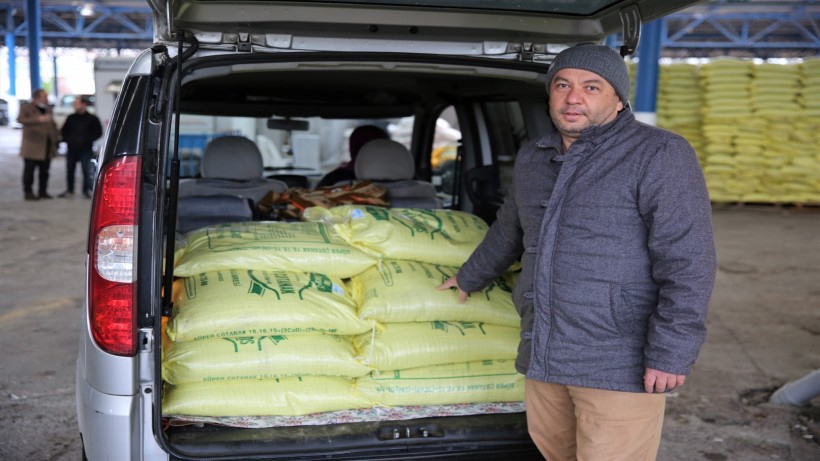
(758, 125)
(268, 320)
(806, 133)
(679, 103)
(263, 322)
(810, 83)
(772, 151)
(727, 118)
(429, 349)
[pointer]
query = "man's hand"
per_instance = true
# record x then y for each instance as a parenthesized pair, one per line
(660, 381)
(453, 283)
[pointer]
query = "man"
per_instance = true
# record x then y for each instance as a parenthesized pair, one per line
(39, 143)
(360, 136)
(612, 224)
(79, 132)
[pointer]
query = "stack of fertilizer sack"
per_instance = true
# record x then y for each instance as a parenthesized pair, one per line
(753, 125)
(429, 349)
(729, 129)
(274, 318)
(775, 151)
(806, 136)
(679, 103)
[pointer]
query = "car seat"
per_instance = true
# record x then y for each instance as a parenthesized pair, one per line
(230, 187)
(231, 165)
(390, 164)
(197, 211)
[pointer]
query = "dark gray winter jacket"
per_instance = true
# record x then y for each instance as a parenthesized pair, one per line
(617, 253)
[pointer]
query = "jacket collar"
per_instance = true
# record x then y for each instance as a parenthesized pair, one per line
(594, 135)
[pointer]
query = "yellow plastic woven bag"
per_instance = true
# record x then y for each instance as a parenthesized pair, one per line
(446, 237)
(260, 357)
(289, 246)
(242, 303)
(411, 345)
(269, 397)
(471, 382)
(405, 291)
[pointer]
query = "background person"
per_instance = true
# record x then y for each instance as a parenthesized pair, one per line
(360, 136)
(79, 132)
(39, 143)
(611, 221)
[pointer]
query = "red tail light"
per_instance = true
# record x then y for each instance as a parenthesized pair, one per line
(113, 246)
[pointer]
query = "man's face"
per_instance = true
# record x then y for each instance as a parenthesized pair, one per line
(41, 98)
(79, 105)
(580, 99)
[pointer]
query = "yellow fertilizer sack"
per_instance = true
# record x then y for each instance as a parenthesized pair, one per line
(405, 291)
(269, 397)
(260, 357)
(180, 245)
(250, 303)
(446, 237)
(410, 345)
(288, 246)
(471, 382)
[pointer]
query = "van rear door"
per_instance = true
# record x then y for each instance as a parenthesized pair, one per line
(490, 28)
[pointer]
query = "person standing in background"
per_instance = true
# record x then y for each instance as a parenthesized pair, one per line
(79, 132)
(39, 143)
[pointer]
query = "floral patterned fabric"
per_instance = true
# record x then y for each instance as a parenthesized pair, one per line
(350, 416)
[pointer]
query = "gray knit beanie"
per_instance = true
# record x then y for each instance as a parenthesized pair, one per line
(599, 59)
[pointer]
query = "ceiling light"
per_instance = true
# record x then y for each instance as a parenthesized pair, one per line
(87, 9)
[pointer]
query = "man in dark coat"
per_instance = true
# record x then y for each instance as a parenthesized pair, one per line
(611, 221)
(79, 132)
(39, 143)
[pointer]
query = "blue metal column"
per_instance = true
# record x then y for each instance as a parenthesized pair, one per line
(34, 41)
(646, 86)
(12, 56)
(56, 80)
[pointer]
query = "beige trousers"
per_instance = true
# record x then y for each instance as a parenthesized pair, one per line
(569, 423)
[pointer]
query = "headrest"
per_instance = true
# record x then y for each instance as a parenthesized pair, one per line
(384, 159)
(232, 157)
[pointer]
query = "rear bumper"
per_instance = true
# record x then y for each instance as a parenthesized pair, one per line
(114, 428)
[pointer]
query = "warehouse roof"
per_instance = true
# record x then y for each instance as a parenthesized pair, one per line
(761, 28)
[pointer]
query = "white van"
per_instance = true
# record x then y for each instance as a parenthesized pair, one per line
(276, 88)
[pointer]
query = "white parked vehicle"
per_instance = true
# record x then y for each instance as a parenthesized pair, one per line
(292, 78)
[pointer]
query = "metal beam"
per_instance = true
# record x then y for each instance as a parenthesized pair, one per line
(104, 27)
(794, 30)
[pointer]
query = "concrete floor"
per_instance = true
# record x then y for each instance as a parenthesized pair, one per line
(764, 330)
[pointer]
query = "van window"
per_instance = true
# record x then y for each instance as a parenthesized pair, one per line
(507, 133)
(443, 153)
(312, 152)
